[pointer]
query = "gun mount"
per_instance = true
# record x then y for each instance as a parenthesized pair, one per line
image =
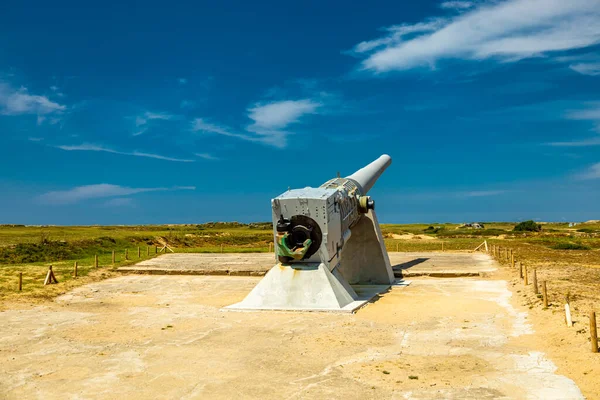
(326, 240)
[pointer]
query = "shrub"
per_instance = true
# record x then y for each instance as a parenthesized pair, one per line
(431, 229)
(570, 246)
(528, 226)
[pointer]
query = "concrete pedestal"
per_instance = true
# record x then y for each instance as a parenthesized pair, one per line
(307, 288)
(364, 263)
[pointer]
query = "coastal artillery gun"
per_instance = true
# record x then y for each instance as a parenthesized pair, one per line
(330, 251)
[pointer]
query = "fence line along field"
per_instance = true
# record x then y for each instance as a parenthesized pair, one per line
(568, 257)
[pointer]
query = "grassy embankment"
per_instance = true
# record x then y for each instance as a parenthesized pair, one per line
(31, 249)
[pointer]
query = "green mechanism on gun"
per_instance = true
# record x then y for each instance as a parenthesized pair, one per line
(296, 253)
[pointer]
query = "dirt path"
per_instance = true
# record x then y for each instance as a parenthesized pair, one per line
(166, 337)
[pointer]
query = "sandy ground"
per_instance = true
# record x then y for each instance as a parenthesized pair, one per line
(411, 236)
(144, 336)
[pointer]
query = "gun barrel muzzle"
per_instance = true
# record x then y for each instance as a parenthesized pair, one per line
(366, 177)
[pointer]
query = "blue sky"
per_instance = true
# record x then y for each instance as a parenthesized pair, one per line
(156, 112)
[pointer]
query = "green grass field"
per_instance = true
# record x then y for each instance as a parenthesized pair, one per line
(30, 249)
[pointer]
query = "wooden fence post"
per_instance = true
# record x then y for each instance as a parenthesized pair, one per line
(520, 270)
(270, 247)
(113, 257)
(20, 281)
(544, 294)
(568, 311)
(126, 254)
(155, 249)
(512, 259)
(442, 246)
(139, 253)
(535, 285)
(50, 278)
(75, 269)
(525, 275)
(147, 250)
(221, 248)
(593, 332)
(96, 261)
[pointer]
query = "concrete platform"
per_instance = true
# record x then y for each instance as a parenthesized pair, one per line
(441, 264)
(148, 337)
(237, 264)
(435, 264)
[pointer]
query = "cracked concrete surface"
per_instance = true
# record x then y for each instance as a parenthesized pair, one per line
(165, 336)
(257, 264)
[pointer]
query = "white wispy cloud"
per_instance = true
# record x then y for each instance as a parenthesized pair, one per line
(94, 147)
(396, 33)
(589, 112)
(143, 119)
(57, 91)
(200, 124)
(464, 195)
(584, 63)
(592, 172)
(270, 121)
(456, 5)
(101, 190)
(21, 102)
(182, 81)
(579, 57)
(592, 69)
(595, 141)
(508, 30)
(206, 156)
(480, 193)
(279, 114)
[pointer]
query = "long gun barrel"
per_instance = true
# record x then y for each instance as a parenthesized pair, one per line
(366, 177)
